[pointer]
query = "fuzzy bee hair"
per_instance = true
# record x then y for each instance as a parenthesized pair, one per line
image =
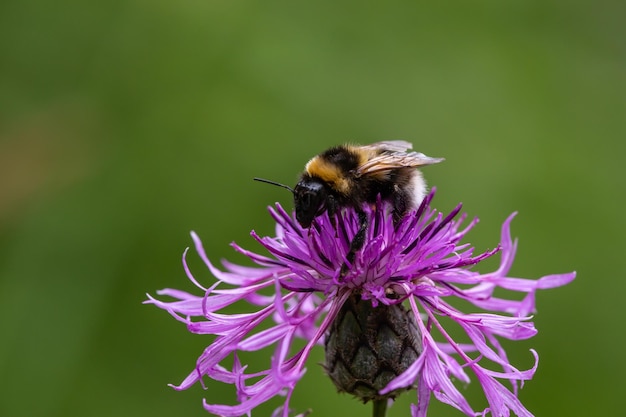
(352, 175)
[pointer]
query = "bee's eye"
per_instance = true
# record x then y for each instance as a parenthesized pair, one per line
(309, 197)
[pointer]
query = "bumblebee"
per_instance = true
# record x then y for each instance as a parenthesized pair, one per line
(348, 175)
(354, 176)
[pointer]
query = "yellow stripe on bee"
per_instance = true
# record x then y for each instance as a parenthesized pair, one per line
(328, 172)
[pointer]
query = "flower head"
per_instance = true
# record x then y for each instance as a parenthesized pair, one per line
(415, 269)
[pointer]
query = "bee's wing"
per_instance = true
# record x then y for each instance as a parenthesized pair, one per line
(388, 161)
(390, 145)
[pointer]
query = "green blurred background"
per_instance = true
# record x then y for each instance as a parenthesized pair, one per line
(126, 124)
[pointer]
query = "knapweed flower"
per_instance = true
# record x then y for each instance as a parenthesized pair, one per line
(397, 298)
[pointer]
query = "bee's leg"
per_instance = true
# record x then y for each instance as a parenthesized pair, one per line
(332, 212)
(357, 242)
(400, 205)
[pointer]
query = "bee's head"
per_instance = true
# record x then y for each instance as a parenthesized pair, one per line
(310, 197)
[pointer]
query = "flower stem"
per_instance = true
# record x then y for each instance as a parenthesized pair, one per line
(379, 408)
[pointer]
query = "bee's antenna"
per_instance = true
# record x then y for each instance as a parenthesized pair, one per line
(274, 183)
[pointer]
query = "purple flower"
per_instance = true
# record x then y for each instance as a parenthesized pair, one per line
(299, 290)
